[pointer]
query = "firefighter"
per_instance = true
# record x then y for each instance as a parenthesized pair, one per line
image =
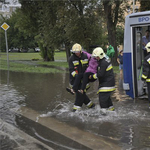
(78, 62)
(146, 70)
(106, 79)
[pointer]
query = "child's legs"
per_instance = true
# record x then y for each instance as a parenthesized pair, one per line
(121, 68)
(77, 82)
(85, 79)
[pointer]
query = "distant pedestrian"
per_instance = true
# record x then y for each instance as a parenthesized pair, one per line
(145, 40)
(120, 62)
(110, 51)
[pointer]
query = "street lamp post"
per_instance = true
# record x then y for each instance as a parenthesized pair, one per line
(133, 5)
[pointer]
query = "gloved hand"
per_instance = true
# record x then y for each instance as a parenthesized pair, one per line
(90, 77)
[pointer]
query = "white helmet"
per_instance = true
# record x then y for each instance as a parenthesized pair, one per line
(76, 48)
(148, 47)
(98, 52)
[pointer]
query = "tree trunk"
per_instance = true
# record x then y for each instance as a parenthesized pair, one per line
(48, 55)
(111, 26)
(112, 41)
(68, 47)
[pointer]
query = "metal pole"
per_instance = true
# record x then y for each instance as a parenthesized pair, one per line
(133, 5)
(7, 49)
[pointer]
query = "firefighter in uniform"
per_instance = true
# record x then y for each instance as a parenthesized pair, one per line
(146, 70)
(106, 79)
(78, 62)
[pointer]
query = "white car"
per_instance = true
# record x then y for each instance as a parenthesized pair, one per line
(37, 49)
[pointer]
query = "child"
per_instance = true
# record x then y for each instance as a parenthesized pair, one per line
(85, 77)
(120, 62)
(91, 70)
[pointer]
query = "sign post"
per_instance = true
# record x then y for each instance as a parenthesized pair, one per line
(5, 26)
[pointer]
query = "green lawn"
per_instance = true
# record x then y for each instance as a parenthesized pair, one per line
(30, 56)
(20, 56)
(33, 63)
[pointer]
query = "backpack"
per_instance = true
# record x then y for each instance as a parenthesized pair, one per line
(110, 51)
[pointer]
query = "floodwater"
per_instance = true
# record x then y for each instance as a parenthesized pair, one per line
(128, 126)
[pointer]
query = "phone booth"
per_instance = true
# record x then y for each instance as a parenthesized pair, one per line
(136, 25)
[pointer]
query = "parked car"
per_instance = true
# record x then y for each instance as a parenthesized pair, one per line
(37, 49)
(24, 50)
(13, 49)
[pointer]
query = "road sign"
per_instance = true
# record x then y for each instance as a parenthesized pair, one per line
(5, 26)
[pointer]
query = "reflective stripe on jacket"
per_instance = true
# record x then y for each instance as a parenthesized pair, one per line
(77, 65)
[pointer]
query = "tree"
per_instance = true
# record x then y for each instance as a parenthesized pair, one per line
(80, 24)
(17, 36)
(83, 25)
(145, 5)
(113, 12)
(68, 22)
(44, 25)
(63, 22)
(119, 34)
(50, 29)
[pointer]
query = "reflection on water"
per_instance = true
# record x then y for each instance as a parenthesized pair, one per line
(129, 125)
(10, 99)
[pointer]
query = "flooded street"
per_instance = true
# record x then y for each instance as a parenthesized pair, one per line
(39, 105)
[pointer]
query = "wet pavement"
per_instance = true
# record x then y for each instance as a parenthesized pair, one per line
(39, 108)
(11, 138)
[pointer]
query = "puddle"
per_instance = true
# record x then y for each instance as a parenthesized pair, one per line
(129, 125)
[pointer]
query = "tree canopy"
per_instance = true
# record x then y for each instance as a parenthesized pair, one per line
(52, 23)
(63, 22)
(145, 5)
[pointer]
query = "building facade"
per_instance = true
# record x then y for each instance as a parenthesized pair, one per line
(8, 6)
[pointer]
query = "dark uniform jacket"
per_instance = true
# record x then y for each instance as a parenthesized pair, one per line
(77, 65)
(146, 68)
(106, 76)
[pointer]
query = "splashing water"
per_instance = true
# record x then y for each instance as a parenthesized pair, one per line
(63, 111)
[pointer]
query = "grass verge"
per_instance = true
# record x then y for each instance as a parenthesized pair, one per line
(25, 62)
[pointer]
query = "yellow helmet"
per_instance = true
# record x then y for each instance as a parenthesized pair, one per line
(98, 52)
(76, 48)
(148, 47)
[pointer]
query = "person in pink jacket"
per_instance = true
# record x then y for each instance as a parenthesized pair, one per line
(85, 77)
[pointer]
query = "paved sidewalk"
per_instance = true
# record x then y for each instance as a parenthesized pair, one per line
(84, 138)
(12, 138)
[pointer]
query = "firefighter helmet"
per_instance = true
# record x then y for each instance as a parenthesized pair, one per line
(148, 47)
(98, 52)
(76, 48)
